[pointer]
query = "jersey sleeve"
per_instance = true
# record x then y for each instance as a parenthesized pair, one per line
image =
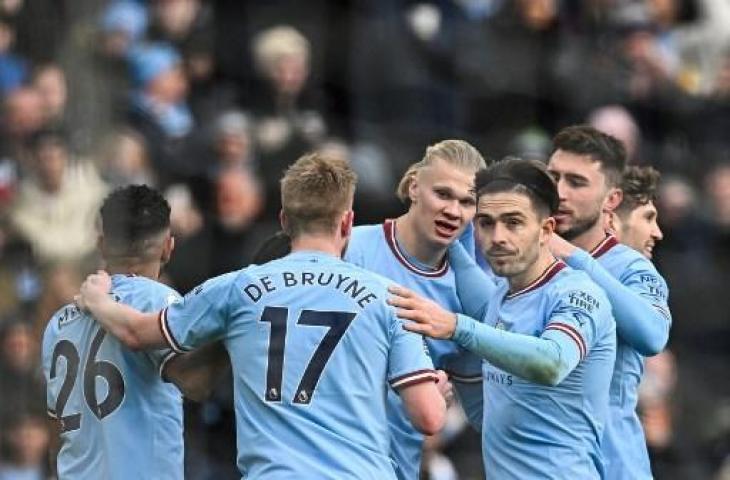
(408, 359)
(473, 286)
(639, 301)
(576, 315)
(161, 300)
(201, 316)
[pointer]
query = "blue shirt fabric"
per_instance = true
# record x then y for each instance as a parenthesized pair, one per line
(638, 295)
(375, 248)
(539, 431)
(119, 419)
(312, 342)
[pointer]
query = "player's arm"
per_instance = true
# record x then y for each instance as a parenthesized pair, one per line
(642, 317)
(473, 286)
(425, 405)
(196, 373)
(136, 330)
(545, 360)
(411, 374)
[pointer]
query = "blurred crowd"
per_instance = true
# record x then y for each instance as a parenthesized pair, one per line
(210, 100)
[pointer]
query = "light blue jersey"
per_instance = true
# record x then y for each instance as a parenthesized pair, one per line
(375, 248)
(550, 432)
(638, 294)
(119, 419)
(313, 345)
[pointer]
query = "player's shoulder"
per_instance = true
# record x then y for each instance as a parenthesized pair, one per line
(366, 237)
(143, 292)
(367, 231)
(376, 280)
(62, 318)
(571, 282)
(626, 258)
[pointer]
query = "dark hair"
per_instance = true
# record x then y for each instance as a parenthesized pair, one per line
(48, 136)
(605, 149)
(639, 185)
(132, 214)
(276, 246)
(528, 177)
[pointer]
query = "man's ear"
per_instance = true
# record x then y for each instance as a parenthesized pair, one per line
(283, 221)
(547, 229)
(614, 197)
(167, 248)
(346, 223)
(413, 188)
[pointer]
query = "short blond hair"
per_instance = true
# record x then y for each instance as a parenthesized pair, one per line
(275, 43)
(457, 153)
(315, 190)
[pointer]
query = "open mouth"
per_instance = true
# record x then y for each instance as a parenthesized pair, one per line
(445, 229)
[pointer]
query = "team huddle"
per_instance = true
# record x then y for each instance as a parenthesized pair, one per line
(526, 289)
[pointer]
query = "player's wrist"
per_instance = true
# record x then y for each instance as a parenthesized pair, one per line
(452, 325)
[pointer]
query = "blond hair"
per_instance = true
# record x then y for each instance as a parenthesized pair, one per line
(457, 153)
(315, 190)
(275, 43)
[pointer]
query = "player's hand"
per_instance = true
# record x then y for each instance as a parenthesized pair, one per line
(560, 247)
(427, 317)
(445, 387)
(95, 289)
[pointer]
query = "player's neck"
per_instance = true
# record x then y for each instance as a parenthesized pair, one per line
(149, 269)
(407, 236)
(522, 280)
(317, 243)
(589, 239)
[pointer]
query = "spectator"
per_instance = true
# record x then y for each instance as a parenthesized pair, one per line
(284, 129)
(158, 108)
(230, 149)
(125, 160)
(25, 439)
(122, 24)
(13, 69)
(615, 120)
(21, 380)
(57, 205)
(22, 117)
(49, 80)
(228, 238)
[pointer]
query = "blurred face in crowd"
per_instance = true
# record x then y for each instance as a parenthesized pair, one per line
(176, 16)
(538, 14)
(238, 199)
(169, 87)
(18, 348)
(511, 232)
(638, 229)
(583, 190)
(24, 112)
(232, 148)
(442, 203)
(289, 74)
(52, 159)
(718, 189)
(50, 82)
(128, 156)
(28, 441)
